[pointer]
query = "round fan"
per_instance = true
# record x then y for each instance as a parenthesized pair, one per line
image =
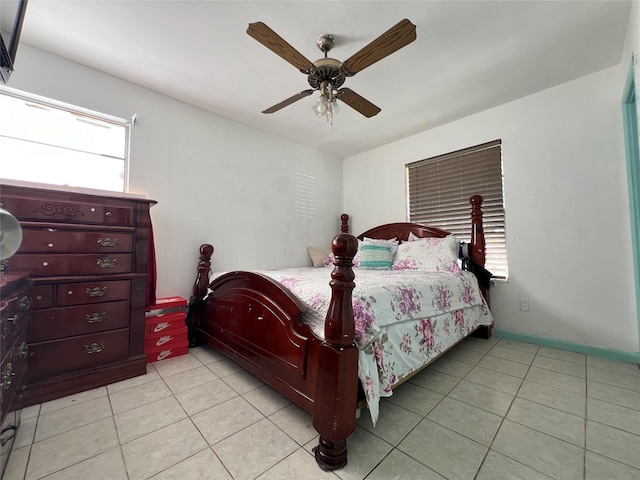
(10, 235)
(328, 74)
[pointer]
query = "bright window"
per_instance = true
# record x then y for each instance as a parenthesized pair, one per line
(46, 141)
(438, 191)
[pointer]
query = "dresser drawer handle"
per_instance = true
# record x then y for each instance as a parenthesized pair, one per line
(95, 317)
(96, 292)
(94, 348)
(24, 304)
(107, 262)
(23, 350)
(108, 242)
(7, 377)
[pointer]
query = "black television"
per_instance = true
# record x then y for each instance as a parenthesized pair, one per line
(11, 20)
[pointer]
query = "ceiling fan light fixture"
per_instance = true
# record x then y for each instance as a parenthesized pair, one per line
(327, 104)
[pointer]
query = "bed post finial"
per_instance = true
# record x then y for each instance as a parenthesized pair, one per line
(334, 415)
(344, 223)
(204, 265)
(477, 232)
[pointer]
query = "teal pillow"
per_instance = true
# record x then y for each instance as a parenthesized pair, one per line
(375, 256)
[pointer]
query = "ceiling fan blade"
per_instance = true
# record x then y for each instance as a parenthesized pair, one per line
(358, 103)
(279, 46)
(288, 101)
(398, 36)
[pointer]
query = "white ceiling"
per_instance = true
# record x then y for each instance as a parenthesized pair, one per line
(468, 56)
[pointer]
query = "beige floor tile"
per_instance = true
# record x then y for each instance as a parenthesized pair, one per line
(501, 365)
(78, 445)
(205, 396)
(482, 397)
(516, 345)
(613, 395)
(26, 432)
(498, 467)
(448, 453)
(266, 400)
(462, 355)
(394, 422)
(612, 377)
(619, 367)
(143, 420)
(207, 354)
(477, 345)
(451, 367)
(243, 382)
(72, 400)
(556, 423)
(613, 415)
(297, 466)
(560, 366)
(434, 380)
(472, 422)
(613, 443)
(150, 376)
(254, 450)
(496, 380)
(414, 398)
(512, 355)
(554, 398)
(539, 451)
(30, 412)
(224, 368)
(190, 379)
(70, 418)
(295, 422)
(106, 466)
(204, 465)
(137, 396)
(575, 357)
(561, 381)
(598, 467)
(225, 419)
(17, 464)
(157, 451)
(364, 452)
(175, 365)
(398, 464)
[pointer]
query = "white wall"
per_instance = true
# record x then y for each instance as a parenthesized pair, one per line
(567, 212)
(216, 181)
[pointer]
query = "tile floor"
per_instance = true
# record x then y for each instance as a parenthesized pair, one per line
(488, 410)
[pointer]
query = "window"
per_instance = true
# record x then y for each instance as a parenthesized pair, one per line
(46, 141)
(438, 191)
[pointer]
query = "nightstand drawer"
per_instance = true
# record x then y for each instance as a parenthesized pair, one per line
(73, 353)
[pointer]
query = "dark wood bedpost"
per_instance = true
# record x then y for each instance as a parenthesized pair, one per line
(334, 415)
(200, 287)
(344, 223)
(477, 232)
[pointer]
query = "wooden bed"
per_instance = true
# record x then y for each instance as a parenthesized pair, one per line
(255, 321)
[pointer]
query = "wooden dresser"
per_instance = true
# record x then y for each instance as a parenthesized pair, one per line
(88, 257)
(14, 318)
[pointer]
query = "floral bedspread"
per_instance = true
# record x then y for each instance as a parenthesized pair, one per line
(403, 318)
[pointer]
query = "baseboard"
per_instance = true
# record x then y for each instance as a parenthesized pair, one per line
(617, 355)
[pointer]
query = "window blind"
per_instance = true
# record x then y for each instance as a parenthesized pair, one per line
(438, 191)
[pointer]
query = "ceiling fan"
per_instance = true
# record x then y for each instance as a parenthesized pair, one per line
(328, 74)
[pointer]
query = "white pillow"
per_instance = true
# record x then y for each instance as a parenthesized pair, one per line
(430, 254)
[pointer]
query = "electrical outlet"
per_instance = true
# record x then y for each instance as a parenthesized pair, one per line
(524, 305)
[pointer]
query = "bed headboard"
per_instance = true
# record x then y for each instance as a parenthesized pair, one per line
(401, 231)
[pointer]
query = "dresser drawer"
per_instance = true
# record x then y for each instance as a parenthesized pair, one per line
(40, 240)
(13, 368)
(55, 323)
(48, 264)
(15, 316)
(43, 209)
(42, 296)
(74, 353)
(92, 292)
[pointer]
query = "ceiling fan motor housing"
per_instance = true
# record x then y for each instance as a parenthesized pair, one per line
(327, 70)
